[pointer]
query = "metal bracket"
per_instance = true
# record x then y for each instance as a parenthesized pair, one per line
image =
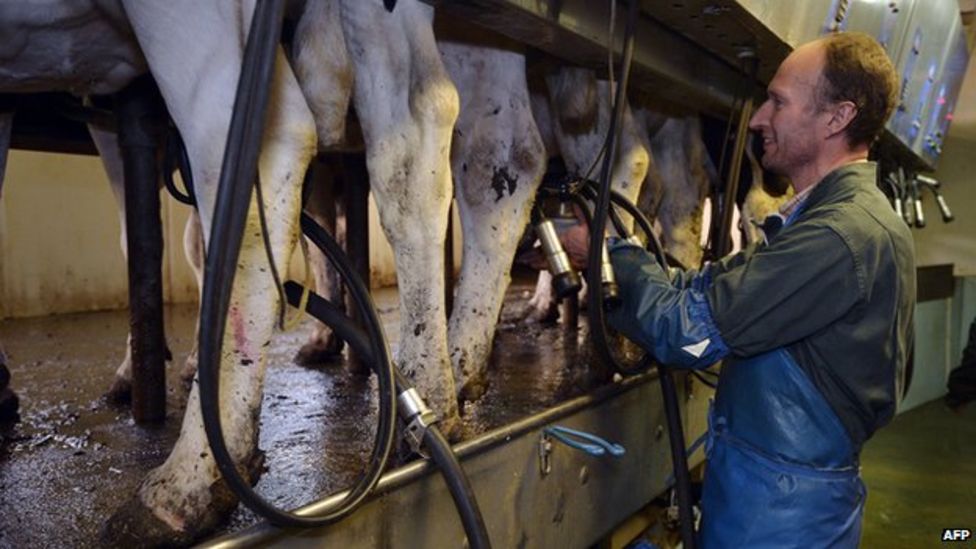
(578, 440)
(545, 453)
(419, 418)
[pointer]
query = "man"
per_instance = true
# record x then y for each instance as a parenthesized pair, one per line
(814, 324)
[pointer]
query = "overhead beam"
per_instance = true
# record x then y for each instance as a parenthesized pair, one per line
(666, 64)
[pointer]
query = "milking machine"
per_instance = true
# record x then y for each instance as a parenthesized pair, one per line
(239, 169)
(904, 189)
(599, 273)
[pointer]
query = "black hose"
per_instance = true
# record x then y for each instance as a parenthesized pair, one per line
(618, 200)
(679, 456)
(602, 206)
(440, 451)
(175, 158)
(461, 491)
(596, 304)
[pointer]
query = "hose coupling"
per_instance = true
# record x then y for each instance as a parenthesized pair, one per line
(565, 280)
(611, 291)
(418, 416)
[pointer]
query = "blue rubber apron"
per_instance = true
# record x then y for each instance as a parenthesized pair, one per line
(781, 469)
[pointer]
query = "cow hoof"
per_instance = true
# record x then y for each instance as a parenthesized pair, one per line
(540, 315)
(316, 353)
(9, 404)
(4, 375)
(134, 525)
(474, 388)
(453, 429)
(121, 392)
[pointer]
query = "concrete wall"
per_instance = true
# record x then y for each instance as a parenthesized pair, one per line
(954, 242)
(941, 329)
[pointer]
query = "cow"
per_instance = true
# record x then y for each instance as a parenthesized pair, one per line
(686, 173)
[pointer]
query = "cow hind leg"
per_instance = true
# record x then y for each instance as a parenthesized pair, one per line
(193, 249)
(185, 496)
(323, 345)
(9, 403)
(498, 159)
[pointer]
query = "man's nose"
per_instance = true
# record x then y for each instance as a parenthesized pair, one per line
(760, 118)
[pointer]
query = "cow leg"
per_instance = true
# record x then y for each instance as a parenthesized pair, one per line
(680, 155)
(407, 106)
(9, 403)
(652, 190)
(633, 159)
(6, 126)
(325, 73)
(193, 249)
(497, 162)
(323, 346)
(542, 307)
(185, 496)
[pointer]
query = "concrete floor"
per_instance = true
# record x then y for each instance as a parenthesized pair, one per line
(921, 476)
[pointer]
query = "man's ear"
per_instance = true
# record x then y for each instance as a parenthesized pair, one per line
(841, 116)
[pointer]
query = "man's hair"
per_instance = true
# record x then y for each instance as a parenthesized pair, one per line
(858, 70)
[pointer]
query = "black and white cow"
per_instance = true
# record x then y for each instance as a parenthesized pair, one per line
(388, 66)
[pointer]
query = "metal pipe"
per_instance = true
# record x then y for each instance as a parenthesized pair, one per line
(141, 113)
(723, 243)
(356, 188)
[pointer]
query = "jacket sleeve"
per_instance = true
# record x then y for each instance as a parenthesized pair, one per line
(702, 279)
(673, 323)
(752, 303)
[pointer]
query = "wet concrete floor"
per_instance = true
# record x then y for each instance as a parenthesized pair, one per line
(72, 459)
